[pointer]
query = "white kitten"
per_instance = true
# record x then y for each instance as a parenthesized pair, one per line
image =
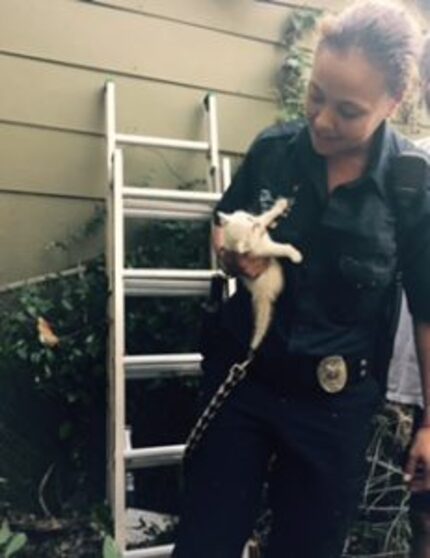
(246, 233)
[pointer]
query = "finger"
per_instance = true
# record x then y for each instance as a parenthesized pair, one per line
(252, 268)
(253, 271)
(409, 471)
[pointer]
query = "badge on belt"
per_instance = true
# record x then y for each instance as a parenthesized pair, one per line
(332, 373)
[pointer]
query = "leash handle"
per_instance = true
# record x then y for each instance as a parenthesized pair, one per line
(235, 375)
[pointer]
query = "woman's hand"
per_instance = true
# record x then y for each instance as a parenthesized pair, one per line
(417, 470)
(245, 265)
(234, 263)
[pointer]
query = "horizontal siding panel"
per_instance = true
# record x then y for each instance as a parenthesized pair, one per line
(324, 5)
(258, 19)
(51, 162)
(242, 17)
(80, 33)
(43, 94)
(28, 225)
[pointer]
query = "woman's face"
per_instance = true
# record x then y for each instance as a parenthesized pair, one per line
(347, 99)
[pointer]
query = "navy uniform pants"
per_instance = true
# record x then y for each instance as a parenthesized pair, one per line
(319, 441)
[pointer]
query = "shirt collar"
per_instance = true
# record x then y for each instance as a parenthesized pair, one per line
(381, 152)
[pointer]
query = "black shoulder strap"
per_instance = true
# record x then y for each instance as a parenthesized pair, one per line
(406, 181)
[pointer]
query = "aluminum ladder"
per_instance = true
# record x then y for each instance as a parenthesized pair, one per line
(132, 202)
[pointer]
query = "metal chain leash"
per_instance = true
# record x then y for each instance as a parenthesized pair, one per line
(235, 375)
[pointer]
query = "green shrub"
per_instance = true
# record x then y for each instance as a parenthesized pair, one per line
(10, 543)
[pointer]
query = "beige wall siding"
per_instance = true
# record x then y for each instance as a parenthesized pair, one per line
(26, 247)
(92, 36)
(43, 94)
(257, 19)
(55, 56)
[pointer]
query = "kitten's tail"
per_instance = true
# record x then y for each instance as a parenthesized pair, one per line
(263, 308)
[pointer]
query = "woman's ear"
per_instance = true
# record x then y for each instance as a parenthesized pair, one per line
(395, 103)
(393, 106)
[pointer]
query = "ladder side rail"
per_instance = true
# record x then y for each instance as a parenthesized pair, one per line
(109, 105)
(110, 126)
(226, 181)
(110, 419)
(226, 173)
(119, 351)
(211, 107)
(110, 117)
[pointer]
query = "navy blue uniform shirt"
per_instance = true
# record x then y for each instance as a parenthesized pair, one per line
(332, 302)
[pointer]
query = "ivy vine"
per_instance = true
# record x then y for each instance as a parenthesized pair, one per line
(291, 78)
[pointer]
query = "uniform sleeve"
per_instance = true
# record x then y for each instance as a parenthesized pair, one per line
(239, 194)
(415, 256)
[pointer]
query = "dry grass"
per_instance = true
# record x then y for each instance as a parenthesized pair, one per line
(382, 527)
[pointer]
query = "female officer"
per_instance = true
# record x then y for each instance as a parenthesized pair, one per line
(311, 390)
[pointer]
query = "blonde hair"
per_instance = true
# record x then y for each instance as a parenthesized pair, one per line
(384, 32)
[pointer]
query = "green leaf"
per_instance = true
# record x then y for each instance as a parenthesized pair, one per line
(110, 549)
(67, 305)
(17, 542)
(22, 353)
(5, 532)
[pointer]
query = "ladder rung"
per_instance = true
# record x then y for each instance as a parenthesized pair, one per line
(150, 366)
(167, 282)
(169, 194)
(153, 456)
(163, 210)
(163, 551)
(187, 145)
(163, 203)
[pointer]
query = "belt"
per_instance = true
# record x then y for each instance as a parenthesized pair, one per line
(329, 373)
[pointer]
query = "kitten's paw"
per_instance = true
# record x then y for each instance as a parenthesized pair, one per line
(281, 204)
(296, 256)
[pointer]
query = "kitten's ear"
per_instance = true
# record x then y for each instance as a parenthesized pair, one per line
(223, 217)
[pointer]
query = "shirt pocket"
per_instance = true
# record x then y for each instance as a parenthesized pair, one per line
(356, 296)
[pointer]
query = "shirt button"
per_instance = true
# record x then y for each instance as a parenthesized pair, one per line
(363, 373)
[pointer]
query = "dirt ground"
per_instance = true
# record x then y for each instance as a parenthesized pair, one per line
(55, 538)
